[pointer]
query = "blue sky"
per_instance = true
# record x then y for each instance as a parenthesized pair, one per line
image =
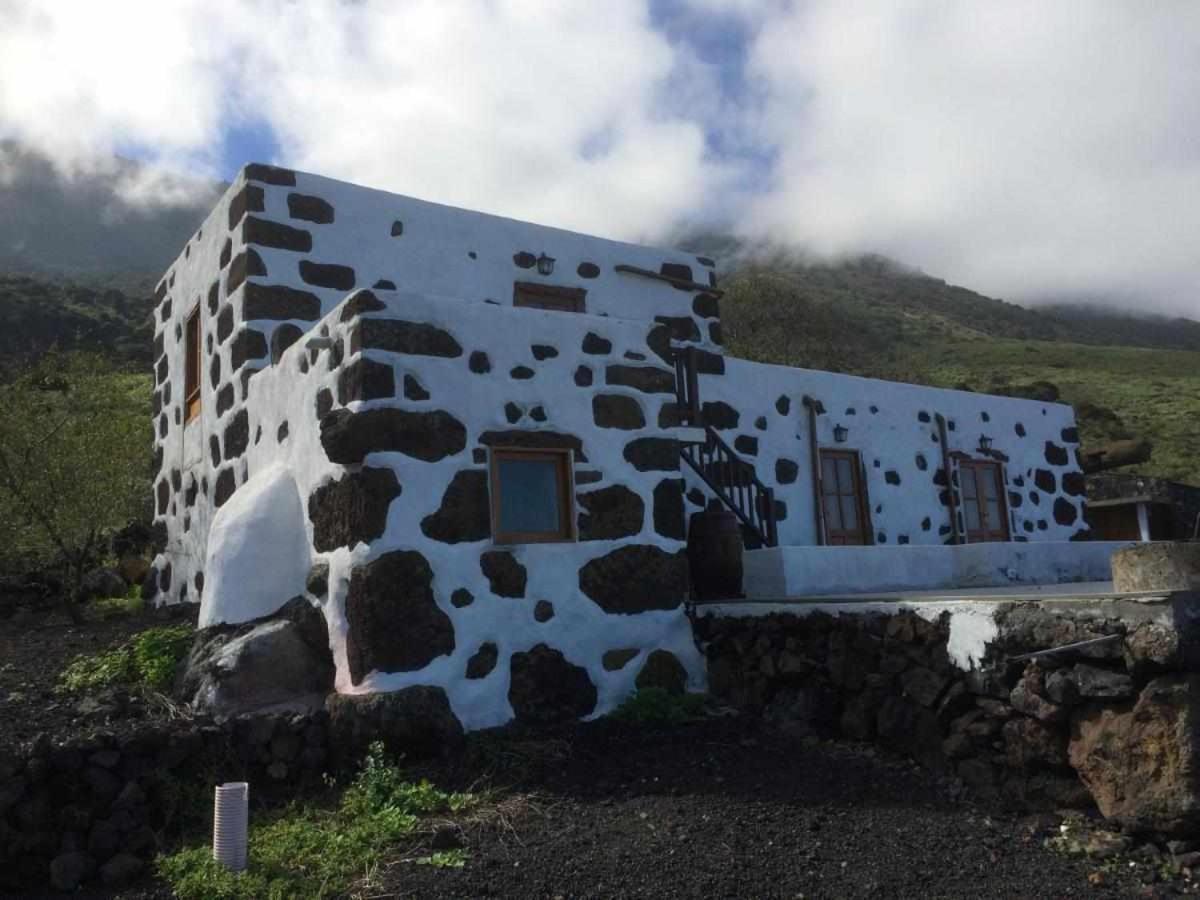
(1028, 150)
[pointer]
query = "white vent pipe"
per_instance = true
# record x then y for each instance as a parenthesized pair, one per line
(230, 816)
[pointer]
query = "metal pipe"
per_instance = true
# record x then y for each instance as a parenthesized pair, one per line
(1091, 642)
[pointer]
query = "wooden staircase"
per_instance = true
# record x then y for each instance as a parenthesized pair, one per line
(727, 475)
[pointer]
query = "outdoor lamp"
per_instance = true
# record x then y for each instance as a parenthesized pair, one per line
(545, 264)
(840, 432)
(985, 442)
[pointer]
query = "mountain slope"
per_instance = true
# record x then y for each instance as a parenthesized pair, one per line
(1125, 375)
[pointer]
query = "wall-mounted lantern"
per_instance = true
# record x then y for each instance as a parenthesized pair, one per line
(840, 433)
(985, 443)
(545, 265)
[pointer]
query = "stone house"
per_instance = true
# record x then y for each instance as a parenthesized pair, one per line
(474, 443)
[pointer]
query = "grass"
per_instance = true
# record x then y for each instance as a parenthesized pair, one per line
(1153, 393)
(119, 607)
(323, 849)
(655, 706)
(147, 660)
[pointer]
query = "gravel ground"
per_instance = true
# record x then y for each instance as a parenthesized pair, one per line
(727, 809)
(34, 651)
(724, 807)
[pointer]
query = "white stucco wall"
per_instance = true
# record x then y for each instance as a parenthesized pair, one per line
(780, 572)
(894, 428)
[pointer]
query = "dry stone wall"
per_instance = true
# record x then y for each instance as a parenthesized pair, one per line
(1113, 724)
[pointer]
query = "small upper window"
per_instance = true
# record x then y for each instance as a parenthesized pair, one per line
(191, 377)
(983, 503)
(548, 296)
(532, 496)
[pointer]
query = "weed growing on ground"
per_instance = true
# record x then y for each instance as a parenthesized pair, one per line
(148, 660)
(655, 706)
(321, 850)
(118, 607)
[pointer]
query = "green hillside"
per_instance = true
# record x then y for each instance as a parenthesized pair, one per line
(1125, 375)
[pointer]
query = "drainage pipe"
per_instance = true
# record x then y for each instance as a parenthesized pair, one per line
(230, 815)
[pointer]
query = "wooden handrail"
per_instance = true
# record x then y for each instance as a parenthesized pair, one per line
(734, 481)
(670, 279)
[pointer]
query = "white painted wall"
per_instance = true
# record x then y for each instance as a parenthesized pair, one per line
(782, 572)
(883, 420)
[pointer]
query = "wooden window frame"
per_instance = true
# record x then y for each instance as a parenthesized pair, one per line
(564, 459)
(836, 537)
(985, 534)
(557, 298)
(192, 365)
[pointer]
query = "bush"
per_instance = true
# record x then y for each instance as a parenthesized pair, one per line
(310, 850)
(147, 660)
(655, 706)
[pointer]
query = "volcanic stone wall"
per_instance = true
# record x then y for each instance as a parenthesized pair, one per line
(386, 435)
(758, 410)
(283, 248)
(1111, 724)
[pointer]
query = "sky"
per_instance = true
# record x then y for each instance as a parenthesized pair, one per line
(1025, 149)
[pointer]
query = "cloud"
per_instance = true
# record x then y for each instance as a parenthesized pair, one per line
(560, 113)
(1025, 149)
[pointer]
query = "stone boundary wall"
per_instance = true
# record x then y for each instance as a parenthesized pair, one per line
(1111, 725)
(97, 808)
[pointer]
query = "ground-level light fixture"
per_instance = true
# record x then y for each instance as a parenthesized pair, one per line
(840, 433)
(545, 264)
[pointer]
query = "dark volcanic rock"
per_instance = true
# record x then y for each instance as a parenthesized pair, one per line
(398, 336)
(653, 454)
(617, 411)
(663, 670)
(365, 379)
(546, 688)
(505, 575)
(275, 302)
(429, 436)
(610, 513)
(352, 509)
(465, 513)
(309, 208)
(416, 721)
(394, 623)
(327, 275)
(635, 578)
(643, 378)
(483, 661)
(668, 509)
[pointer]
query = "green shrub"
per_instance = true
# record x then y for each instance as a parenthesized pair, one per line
(146, 660)
(656, 706)
(310, 850)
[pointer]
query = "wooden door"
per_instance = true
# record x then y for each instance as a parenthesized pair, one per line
(984, 511)
(842, 498)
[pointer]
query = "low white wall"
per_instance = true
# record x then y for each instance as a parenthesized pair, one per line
(780, 572)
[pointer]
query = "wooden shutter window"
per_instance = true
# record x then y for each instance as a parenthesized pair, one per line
(985, 514)
(533, 295)
(191, 368)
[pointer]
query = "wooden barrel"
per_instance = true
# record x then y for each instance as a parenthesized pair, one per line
(715, 555)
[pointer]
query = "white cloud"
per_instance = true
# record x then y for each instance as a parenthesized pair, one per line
(553, 112)
(1025, 149)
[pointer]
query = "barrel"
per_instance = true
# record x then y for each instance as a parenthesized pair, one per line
(715, 555)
